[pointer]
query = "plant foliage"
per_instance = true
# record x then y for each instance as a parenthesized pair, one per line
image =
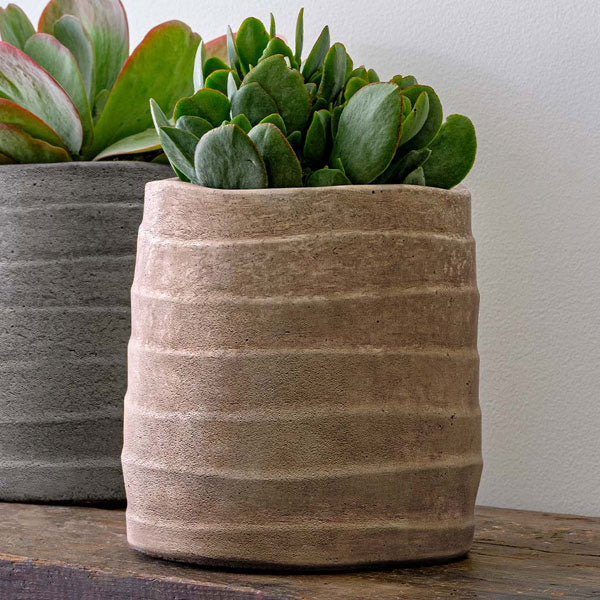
(70, 91)
(263, 117)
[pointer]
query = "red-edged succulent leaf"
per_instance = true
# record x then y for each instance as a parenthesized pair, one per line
(24, 82)
(106, 23)
(22, 148)
(15, 27)
(146, 141)
(50, 54)
(13, 114)
(69, 31)
(161, 67)
(217, 48)
(6, 160)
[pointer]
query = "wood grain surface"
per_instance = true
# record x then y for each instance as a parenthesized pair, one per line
(70, 553)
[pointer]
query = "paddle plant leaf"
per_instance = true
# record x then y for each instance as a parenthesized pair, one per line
(416, 177)
(404, 164)
(369, 131)
(158, 116)
(227, 158)
(354, 84)
(20, 147)
(199, 61)
(146, 141)
(415, 119)
(161, 67)
(179, 146)
(212, 105)
(195, 125)
(328, 177)
(277, 121)
(55, 58)
(317, 55)
(14, 114)
(217, 80)
(15, 27)
(299, 36)
(254, 102)
(243, 122)
(106, 24)
(316, 144)
(282, 164)
(286, 88)
(334, 74)
(452, 153)
(69, 31)
(434, 116)
(251, 40)
(25, 83)
(272, 27)
(217, 48)
(278, 46)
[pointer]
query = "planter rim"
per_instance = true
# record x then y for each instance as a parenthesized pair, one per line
(199, 190)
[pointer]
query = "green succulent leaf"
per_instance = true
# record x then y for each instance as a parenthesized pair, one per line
(416, 118)
(369, 131)
(254, 102)
(311, 88)
(214, 64)
(195, 125)
(299, 36)
(295, 140)
(336, 114)
(282, 164)
(13, 114)
(373, 76)
(334, 74)
(286, 88)
(199, 61)
(25, 83)
(317, 143)
(317, 55)
(106, 24)
(212, 105)
(272, 27)
(278, 46)
(99, 103)
(354, 84)
(179, 146)
(434, 117)
(158, 116)
(251, 40)
(161, 67)
(22, 148)
(452, 153)
(277, 121)
(15, 27)
(232, 86)
(69, 31)
(404, 82)
(361, 73)
(232, 53)
(217, 80)
(55, 58)
(146, 141)
(404, 164)
(328, 177)
(416, 177)
(243, 122)
(226, 158)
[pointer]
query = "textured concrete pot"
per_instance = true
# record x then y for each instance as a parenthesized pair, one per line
(67, 240)
(303, 377)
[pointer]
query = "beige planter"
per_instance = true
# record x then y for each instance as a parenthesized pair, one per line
(303, 377)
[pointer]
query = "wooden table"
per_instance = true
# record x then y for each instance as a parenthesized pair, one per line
(65, 553)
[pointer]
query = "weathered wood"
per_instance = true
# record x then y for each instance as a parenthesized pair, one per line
(69, 553)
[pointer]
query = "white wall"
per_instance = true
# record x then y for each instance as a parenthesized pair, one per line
(526, 72)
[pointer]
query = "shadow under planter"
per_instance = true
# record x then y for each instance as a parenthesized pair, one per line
(67, 244)
(303, 377)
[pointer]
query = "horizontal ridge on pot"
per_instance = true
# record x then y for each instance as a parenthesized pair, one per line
(67, 239)
(303, 376)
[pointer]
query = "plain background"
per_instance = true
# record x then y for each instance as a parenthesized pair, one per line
(527, 73)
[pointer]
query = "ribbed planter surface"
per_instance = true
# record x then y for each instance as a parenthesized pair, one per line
(303, 376)
(67, 244)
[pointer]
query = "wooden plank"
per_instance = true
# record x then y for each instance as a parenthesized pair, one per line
(70, 553)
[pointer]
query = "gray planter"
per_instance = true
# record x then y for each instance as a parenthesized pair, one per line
(67, 245)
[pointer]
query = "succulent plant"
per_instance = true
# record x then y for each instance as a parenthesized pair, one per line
(72, 92)
(263, 117)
